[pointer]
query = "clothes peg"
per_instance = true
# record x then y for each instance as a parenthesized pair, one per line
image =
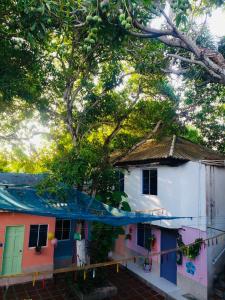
(117, 268)
(34, 278)
(85, 275)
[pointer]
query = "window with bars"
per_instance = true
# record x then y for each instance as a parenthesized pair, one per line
(149, 182)
(38, 235)
(144, 234)
(62, 229)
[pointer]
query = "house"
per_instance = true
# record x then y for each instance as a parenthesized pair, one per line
(31, 222)
(25, 223)
(178, 178)
(19, 235)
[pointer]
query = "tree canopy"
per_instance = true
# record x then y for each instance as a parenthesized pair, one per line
(98, 75)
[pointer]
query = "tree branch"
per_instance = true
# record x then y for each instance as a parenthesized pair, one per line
(193, 61)
(121, 120)
(173, 37)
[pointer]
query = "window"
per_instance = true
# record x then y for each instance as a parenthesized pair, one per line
(143, 234)
(121, 182)
(38, 235)
(62, 229)
(149, 182)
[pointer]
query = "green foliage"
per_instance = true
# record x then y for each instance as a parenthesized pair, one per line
(19, 161)
(191, 251)
(208, 114)
(102, 241)
(221, 47)
(192, 134)
(206, 40)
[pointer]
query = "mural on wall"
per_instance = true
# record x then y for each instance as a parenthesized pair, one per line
(190, 267)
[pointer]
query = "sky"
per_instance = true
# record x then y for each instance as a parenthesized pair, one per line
(217, 23)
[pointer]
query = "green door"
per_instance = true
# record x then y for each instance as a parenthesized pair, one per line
(13, 250)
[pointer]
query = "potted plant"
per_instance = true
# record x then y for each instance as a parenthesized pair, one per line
(128, 236)
(38, 249)
(152, 240)
(147, 264)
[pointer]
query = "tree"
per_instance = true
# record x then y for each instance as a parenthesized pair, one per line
(179, 32)
(204, 108)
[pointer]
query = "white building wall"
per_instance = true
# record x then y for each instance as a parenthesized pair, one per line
(181, 192)
(215, 187)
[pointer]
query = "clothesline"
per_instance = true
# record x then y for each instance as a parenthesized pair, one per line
(74, 268)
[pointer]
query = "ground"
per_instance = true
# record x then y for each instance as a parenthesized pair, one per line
(129, 288)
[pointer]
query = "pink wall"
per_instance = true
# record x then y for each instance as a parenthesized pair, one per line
(200, 263)
(188, 235)
(30, 257)
(132, 244)
(123, 246)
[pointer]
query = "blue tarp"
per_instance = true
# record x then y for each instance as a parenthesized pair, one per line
(78, 206)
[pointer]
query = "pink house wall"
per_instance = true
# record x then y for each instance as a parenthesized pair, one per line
(200, 262)
(123, 246)
(188, 235)
(31, 259)
(132, 244)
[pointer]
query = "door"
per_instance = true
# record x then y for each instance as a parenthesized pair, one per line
(168, 267)
(13, 250)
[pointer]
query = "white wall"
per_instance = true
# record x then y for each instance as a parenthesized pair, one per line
(215, 195)
(181, 192)
(215, 188)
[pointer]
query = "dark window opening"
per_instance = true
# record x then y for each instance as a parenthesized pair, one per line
(121, 182)
(149, 182)
(82, 230)
(38, 235)
(119, 186)
(144, 234)
(62, 229)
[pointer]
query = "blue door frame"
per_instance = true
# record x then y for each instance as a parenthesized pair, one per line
(168, 266)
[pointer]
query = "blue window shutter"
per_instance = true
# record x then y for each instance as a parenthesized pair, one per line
(153, 182)
(145, 182)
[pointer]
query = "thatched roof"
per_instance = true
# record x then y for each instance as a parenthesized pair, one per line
(169, 149)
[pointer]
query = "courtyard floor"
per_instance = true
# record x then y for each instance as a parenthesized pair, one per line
(129, 288)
